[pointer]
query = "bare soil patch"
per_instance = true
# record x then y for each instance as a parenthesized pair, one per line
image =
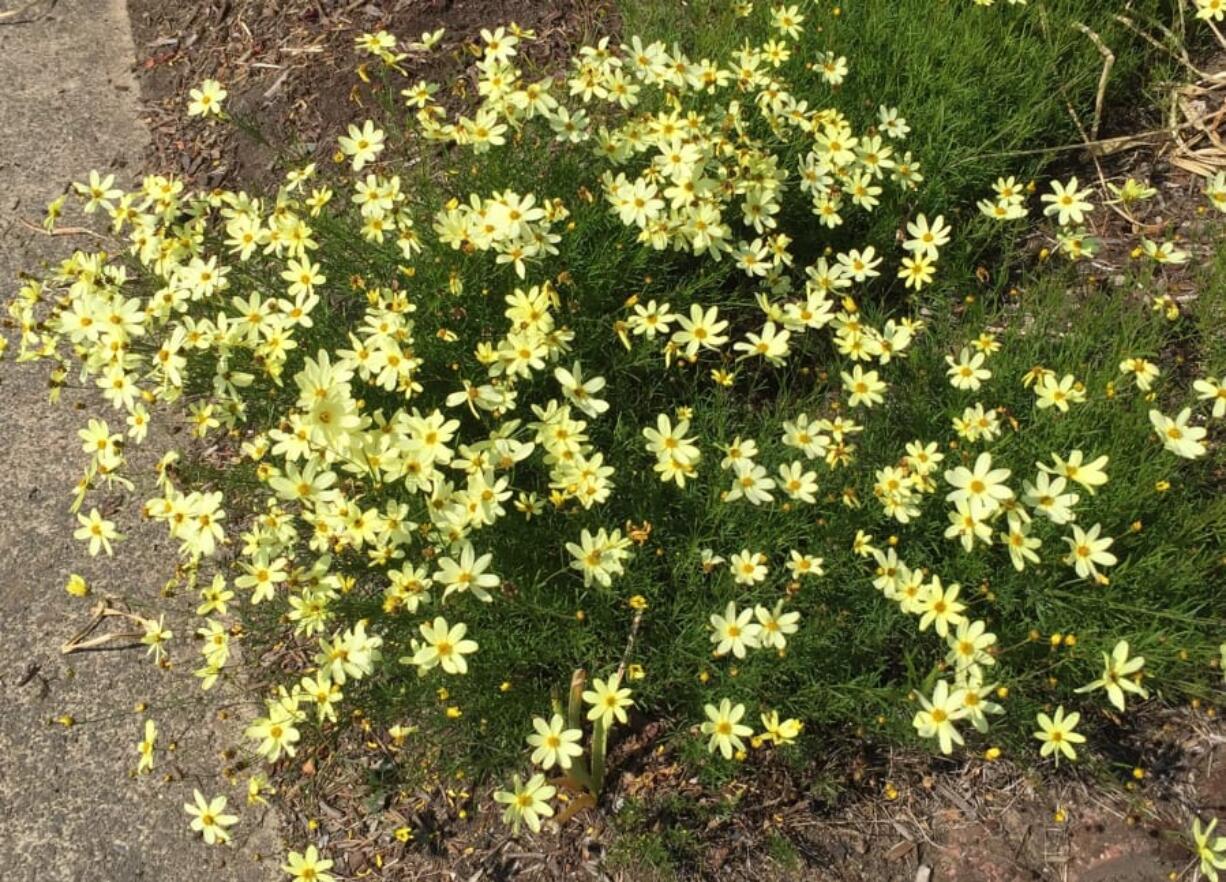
(289, 68)
(855, 815)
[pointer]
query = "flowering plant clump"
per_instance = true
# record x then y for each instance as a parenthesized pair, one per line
(584, 383)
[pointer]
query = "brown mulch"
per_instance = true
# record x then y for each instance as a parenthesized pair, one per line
(853, 815)
(289, 66)
(1173, 154)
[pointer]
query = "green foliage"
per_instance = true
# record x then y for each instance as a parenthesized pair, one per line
(977, 83)
(977, 86)
(975, 89)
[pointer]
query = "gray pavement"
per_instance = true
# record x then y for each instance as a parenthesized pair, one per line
(69, 807)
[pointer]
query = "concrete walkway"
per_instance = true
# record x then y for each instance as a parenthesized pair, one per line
(69, 810)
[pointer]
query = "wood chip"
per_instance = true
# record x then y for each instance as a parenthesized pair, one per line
(900, 850)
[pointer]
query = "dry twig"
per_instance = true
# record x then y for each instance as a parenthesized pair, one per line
(1108, 63)
(103, 610)
(59, 231)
